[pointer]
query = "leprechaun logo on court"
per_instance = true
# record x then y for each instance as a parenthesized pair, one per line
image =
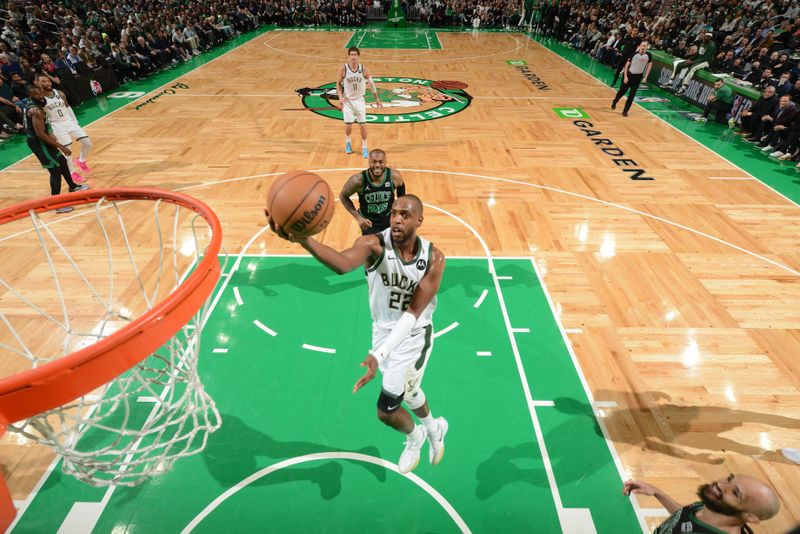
(403, 99)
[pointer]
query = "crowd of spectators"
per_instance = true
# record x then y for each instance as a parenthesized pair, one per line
(755, 43)
(492, 14)
(135, 38)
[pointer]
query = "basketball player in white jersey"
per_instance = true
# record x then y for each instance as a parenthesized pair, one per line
(404, 272)
(65, 125)
(351, 85)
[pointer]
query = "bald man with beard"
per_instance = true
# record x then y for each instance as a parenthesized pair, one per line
(725, 506)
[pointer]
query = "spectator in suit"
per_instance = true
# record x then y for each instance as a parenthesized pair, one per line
(766, 105)
(765, 80)
(775, 129)
(784, 85)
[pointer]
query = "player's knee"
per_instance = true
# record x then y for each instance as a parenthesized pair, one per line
(416, 399)
(388, 405)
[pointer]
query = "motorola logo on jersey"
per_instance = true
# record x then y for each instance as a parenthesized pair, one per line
(421, 264)
(403, 100)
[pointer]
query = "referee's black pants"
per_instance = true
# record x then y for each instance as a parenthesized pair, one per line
(633, 84)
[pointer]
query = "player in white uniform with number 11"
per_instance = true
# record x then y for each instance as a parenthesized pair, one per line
(404, 272)
(351, 85)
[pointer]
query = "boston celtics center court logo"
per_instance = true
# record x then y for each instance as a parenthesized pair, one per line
(403, 99)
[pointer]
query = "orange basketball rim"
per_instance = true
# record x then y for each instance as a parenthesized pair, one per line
(40, 389)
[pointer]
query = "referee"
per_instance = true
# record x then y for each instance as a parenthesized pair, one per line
(636, 68)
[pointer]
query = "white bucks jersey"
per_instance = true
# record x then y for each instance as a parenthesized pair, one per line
(392, 283)
(56, 109)
(354, 83)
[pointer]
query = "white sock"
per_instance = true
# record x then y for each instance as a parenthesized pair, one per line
(347, 138)
(429, 423)
(416, 434)
(364, 144)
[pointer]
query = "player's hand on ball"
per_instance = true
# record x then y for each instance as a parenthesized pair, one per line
(372, 368)
(279, 231)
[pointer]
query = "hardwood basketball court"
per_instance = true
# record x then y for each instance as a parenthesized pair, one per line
(675, 281)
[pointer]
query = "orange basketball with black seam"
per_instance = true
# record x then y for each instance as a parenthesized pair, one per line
(300, 203)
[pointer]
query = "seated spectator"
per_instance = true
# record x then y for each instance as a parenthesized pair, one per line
(161, 44)
(137, 68)
(726, 62)
(63, 65)
(690, 59)
(8, 102)
(760, 55)
(144, 51)
(784, 86)
(8, 127)
(752, 74)
(7, 67)
(190, 47)
(88, 60)
(766, 105)
(72, 58)
(28, 72)
(720, 102)
(705, 54)
(781, 66)
(789, 142)
(742, 48)
(773, 128)
(767, 41)
(680, 51)
(19, 89)
(737, 68)
(765, 80)
(190, 37)
(6, 50)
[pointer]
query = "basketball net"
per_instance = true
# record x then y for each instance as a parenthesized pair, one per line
(72, 285)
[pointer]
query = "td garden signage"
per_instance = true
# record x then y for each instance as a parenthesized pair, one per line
(403, 100)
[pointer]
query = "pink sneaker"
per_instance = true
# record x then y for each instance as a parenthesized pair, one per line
(82, 165)
(77, 178)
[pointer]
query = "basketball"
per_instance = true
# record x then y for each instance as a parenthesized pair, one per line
(301, 203)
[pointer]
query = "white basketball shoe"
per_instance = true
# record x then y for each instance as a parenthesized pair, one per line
(436, 441)
(410, 455)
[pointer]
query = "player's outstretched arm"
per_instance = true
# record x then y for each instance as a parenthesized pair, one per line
(365, 248)
(643, 488)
